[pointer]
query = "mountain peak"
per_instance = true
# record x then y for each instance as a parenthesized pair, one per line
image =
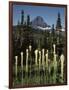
(39, 18)
(39, 21)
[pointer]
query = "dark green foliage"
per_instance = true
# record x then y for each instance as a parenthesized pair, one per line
(58, 25)
(28, 20)
(22, 17)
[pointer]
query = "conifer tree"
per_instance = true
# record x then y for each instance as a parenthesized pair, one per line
(22, 17)
(58, 24)
(28, 20)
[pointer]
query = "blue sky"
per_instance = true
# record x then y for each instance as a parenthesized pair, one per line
(49, 14)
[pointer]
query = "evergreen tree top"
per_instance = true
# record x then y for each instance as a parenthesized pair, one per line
(58, 24)
(22, 11)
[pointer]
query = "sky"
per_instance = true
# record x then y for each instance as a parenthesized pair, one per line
(48, 13)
